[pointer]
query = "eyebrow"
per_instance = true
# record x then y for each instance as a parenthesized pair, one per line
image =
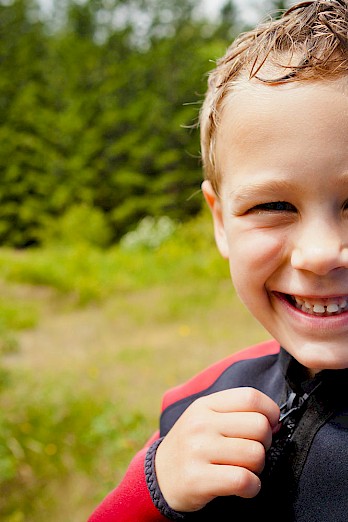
(244, 192)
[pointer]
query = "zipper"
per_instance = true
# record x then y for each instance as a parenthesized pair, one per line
(290, 413)
(295, 402)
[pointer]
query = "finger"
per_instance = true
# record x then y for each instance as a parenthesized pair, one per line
(243, 453)
(243, 399)
(233, 480)
(244, 425)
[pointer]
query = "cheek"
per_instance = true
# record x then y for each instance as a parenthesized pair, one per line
(254, 257)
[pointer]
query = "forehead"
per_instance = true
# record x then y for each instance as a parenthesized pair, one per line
(288, 139)
(277, 121)
(251, 101)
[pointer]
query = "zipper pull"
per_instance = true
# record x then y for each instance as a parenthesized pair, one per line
(295, 402)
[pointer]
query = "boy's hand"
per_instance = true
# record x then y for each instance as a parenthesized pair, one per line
(216, 448)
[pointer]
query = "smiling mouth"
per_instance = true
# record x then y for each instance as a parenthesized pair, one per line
(319, 306)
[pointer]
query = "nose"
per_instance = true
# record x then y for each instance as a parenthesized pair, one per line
(320, 248)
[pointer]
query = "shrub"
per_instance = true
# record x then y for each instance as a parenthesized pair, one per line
(80, 224)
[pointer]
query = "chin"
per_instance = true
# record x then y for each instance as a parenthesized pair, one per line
(319, 357)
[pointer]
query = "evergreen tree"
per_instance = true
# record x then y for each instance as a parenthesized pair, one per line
(96, 109)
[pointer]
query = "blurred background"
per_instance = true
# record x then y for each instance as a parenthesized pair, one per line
(112, 289)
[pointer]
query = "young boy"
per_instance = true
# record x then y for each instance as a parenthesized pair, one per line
(264, 434)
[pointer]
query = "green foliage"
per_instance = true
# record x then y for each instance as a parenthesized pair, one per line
(44, 437)
(81, 271)
(15, 315)
(99, 114)
(88, 273)
(49, 431)
(80, 224)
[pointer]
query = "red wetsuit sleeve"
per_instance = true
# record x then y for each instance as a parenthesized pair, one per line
(130, 501)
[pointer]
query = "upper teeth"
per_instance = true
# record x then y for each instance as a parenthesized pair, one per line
(330, 306)
(333, 307)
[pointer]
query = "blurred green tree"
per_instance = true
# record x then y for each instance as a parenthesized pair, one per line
(23, 128)
(98, 108)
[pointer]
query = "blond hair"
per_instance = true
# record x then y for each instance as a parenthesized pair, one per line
(309, 42)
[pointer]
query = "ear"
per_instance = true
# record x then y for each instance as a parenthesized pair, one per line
(215, 206)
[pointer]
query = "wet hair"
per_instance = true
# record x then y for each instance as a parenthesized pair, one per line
(308, 43)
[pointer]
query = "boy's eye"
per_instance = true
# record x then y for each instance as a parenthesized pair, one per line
(274, 206)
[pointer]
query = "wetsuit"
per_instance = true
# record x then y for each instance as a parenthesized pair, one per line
(306, 474)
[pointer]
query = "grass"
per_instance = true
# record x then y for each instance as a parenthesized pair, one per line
(100, 336)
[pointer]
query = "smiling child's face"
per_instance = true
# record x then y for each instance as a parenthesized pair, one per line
(281, 217)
